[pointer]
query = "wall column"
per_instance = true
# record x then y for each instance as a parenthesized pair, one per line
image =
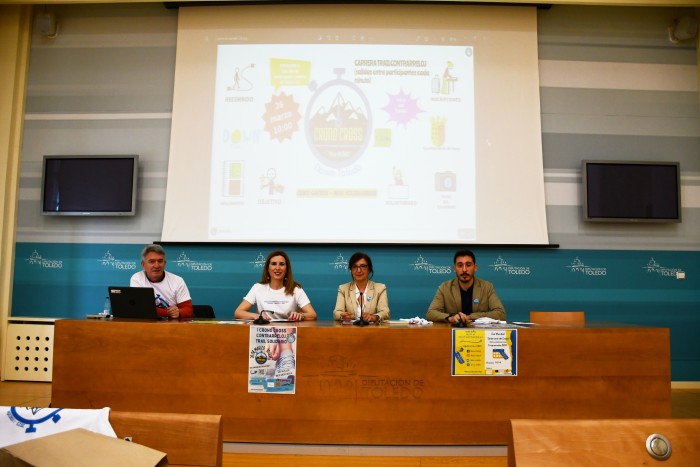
(15, 39)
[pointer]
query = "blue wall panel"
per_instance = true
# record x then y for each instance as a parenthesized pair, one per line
(639, 287)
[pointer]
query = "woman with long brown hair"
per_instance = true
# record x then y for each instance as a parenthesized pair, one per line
(277, 296)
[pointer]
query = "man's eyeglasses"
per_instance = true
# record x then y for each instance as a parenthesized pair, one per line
(358, 267)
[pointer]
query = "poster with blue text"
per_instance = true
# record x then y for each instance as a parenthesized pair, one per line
(272, 359)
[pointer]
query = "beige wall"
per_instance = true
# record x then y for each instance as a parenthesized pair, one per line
(15, 34)
(16, 21)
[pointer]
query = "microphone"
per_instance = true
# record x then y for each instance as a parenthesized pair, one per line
(362, 321)
(261, 319)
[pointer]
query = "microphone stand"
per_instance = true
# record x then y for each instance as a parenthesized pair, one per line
(260, 319)
(362, 321)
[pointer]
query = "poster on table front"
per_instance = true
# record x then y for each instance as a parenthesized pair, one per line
(484, 352)
(272, 359)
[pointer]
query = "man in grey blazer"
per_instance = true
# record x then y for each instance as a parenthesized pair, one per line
(466, 297)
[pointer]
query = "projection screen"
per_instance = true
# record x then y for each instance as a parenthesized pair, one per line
(356, 124)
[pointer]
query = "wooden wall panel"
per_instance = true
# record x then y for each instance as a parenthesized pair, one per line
(384, 385)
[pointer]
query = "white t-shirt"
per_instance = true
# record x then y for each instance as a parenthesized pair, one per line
(276, 302)
(18, 424)
(169, 292)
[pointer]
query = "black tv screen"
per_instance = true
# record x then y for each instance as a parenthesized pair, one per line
(89, 185)
(616, 191)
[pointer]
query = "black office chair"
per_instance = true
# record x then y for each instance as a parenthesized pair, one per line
(203, 311)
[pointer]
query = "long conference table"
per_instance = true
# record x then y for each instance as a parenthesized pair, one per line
(378, 385)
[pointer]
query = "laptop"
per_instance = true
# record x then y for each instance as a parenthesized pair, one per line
(133, 302)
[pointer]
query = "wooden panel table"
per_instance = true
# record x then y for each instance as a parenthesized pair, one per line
(377, 385)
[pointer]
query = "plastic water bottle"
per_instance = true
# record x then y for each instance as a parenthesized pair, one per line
(107, 308)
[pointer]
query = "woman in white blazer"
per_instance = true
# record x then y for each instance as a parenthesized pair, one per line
(361, 296)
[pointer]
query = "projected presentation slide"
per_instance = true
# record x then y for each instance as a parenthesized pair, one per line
(367, 136)
(356, 124)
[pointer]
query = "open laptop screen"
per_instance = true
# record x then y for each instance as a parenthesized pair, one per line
(133, 302)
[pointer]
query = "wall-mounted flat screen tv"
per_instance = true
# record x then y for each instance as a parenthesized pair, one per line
(620, 191)
(89, 185)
